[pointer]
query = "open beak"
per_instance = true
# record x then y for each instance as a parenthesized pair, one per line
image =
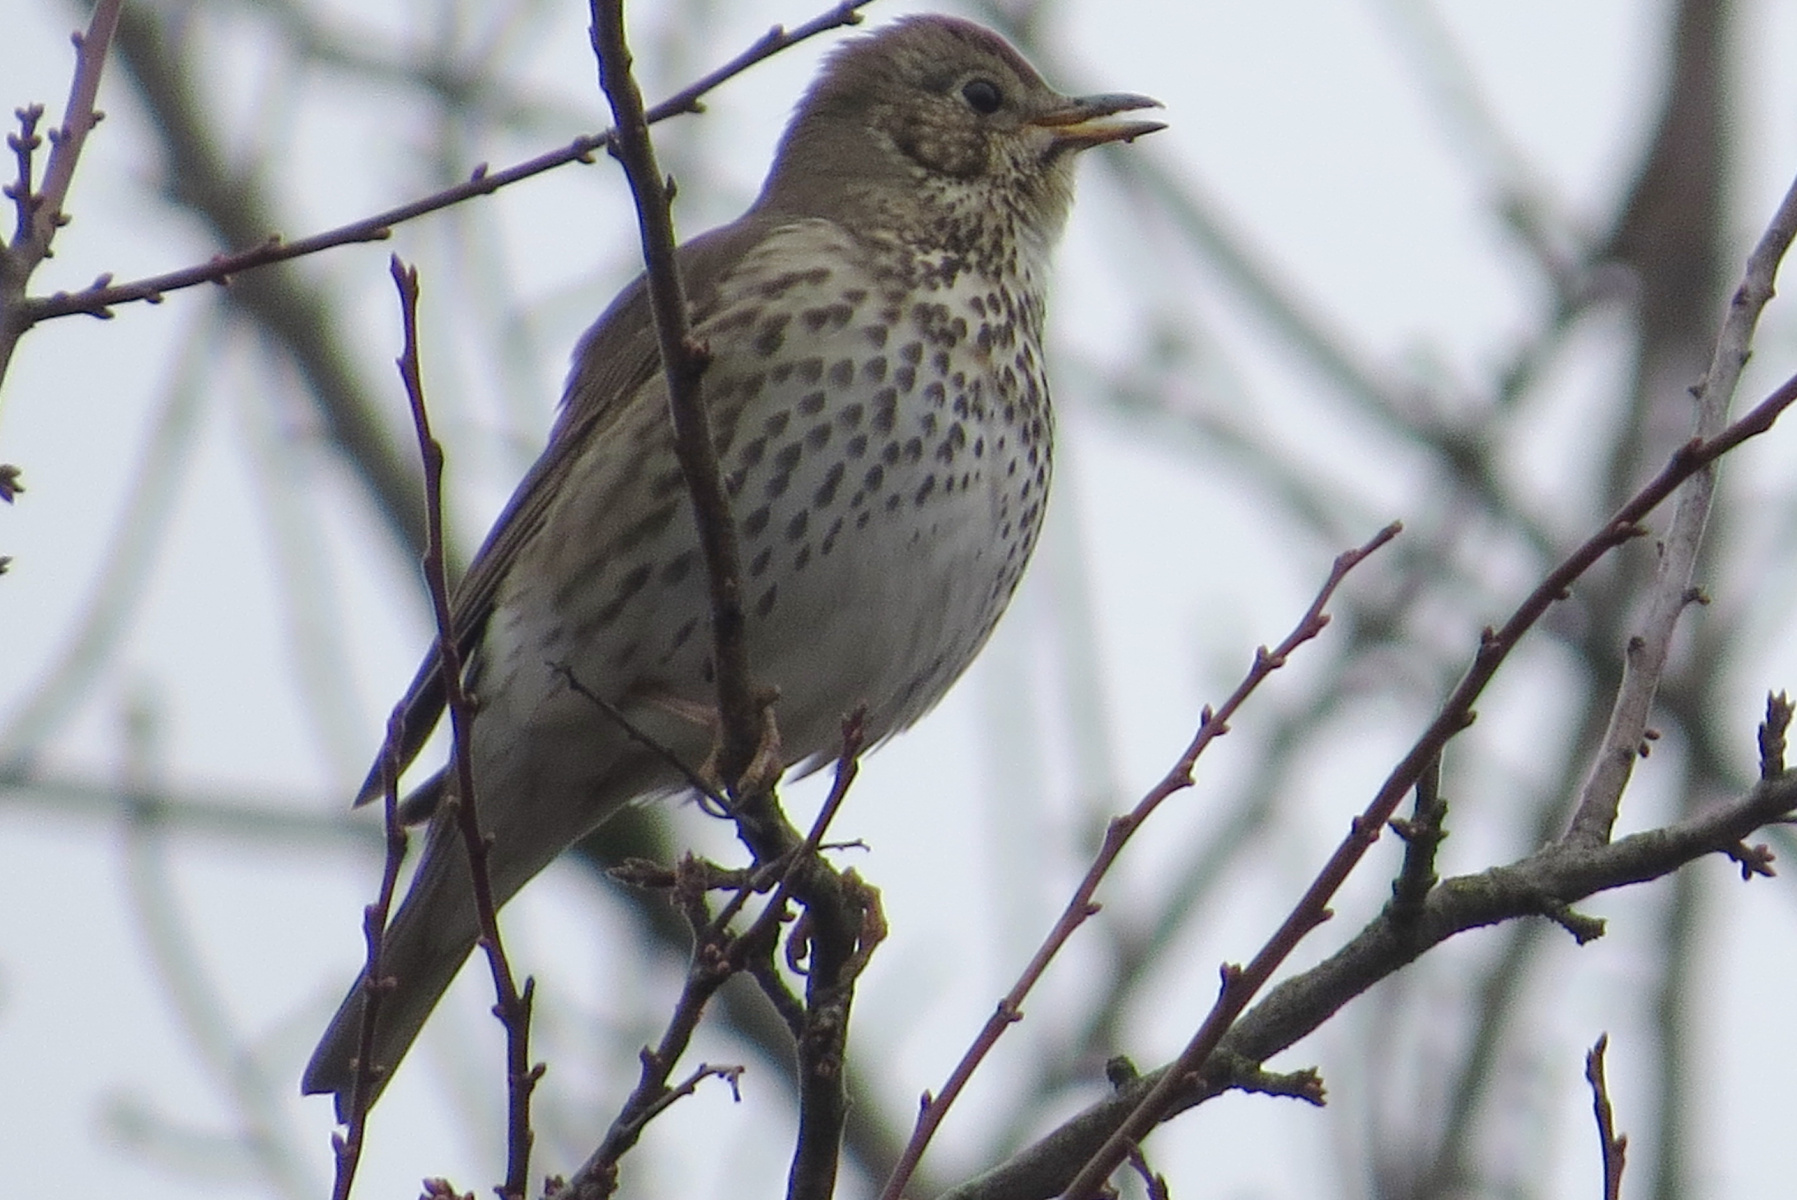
(1084, 121)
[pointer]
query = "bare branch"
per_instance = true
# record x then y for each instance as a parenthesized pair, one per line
(1671, 590)
(1241, 983)
(684, 361)
(1553, 878)
(366, 1074)
(103, 295)
(717, 955)
(513, 1007)
(1117, 834)
(1615, 1145)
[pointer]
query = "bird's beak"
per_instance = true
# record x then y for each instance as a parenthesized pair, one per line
(1084, 121)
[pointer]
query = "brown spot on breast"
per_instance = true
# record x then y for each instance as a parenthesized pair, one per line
(779, 285)
(646, 527)
(772, 335)
(678, 567)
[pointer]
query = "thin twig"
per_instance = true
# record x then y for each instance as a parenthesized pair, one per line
(40, 213)
(513, 1007)
(1211, 726)
(1241, 984)
(1615, 1145)
(717, 955)
(1422, 836)
(78, 120)
(22, 191)
(684, 362)
(365, 1074)
(640, 736)
(1670, 594)
(103, 294)
(1556, 876)
(1772, 735)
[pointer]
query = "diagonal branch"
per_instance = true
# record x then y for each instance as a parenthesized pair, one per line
(1081, 906)
(1671, 590)
(514, 1005)
(684, 361)
(98, 299)
(1241, 984)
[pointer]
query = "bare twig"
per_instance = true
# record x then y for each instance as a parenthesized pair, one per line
(1772, 735)
(717, 955)
(513, 1007)
(365, 1074)
(638, 735)
(1212, 725)
(1615, 1145)
(1240, 984)
(1671, 593)
(40, 213)
(1554, 877)
(103, 295)
(22, 191)
(684, 361)
(1422, 835)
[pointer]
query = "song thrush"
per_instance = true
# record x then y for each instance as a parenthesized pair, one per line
(876, 387)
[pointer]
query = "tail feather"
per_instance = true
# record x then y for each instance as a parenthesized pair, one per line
(540, 793)
(425, 945)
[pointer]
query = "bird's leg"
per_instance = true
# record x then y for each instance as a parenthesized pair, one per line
(765, 765)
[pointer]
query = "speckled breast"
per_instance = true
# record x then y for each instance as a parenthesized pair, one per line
(886, 444)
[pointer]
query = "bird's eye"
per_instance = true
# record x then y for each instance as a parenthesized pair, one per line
(983, 96)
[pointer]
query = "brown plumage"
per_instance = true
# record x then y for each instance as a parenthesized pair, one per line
(876, 388)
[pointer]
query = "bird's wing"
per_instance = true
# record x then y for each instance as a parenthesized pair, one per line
(613, 361)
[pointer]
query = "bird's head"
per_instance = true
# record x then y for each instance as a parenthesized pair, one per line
(937, 126)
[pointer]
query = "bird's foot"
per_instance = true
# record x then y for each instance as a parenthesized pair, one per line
(765, 765)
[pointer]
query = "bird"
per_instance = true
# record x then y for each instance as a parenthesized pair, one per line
(873, 325)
